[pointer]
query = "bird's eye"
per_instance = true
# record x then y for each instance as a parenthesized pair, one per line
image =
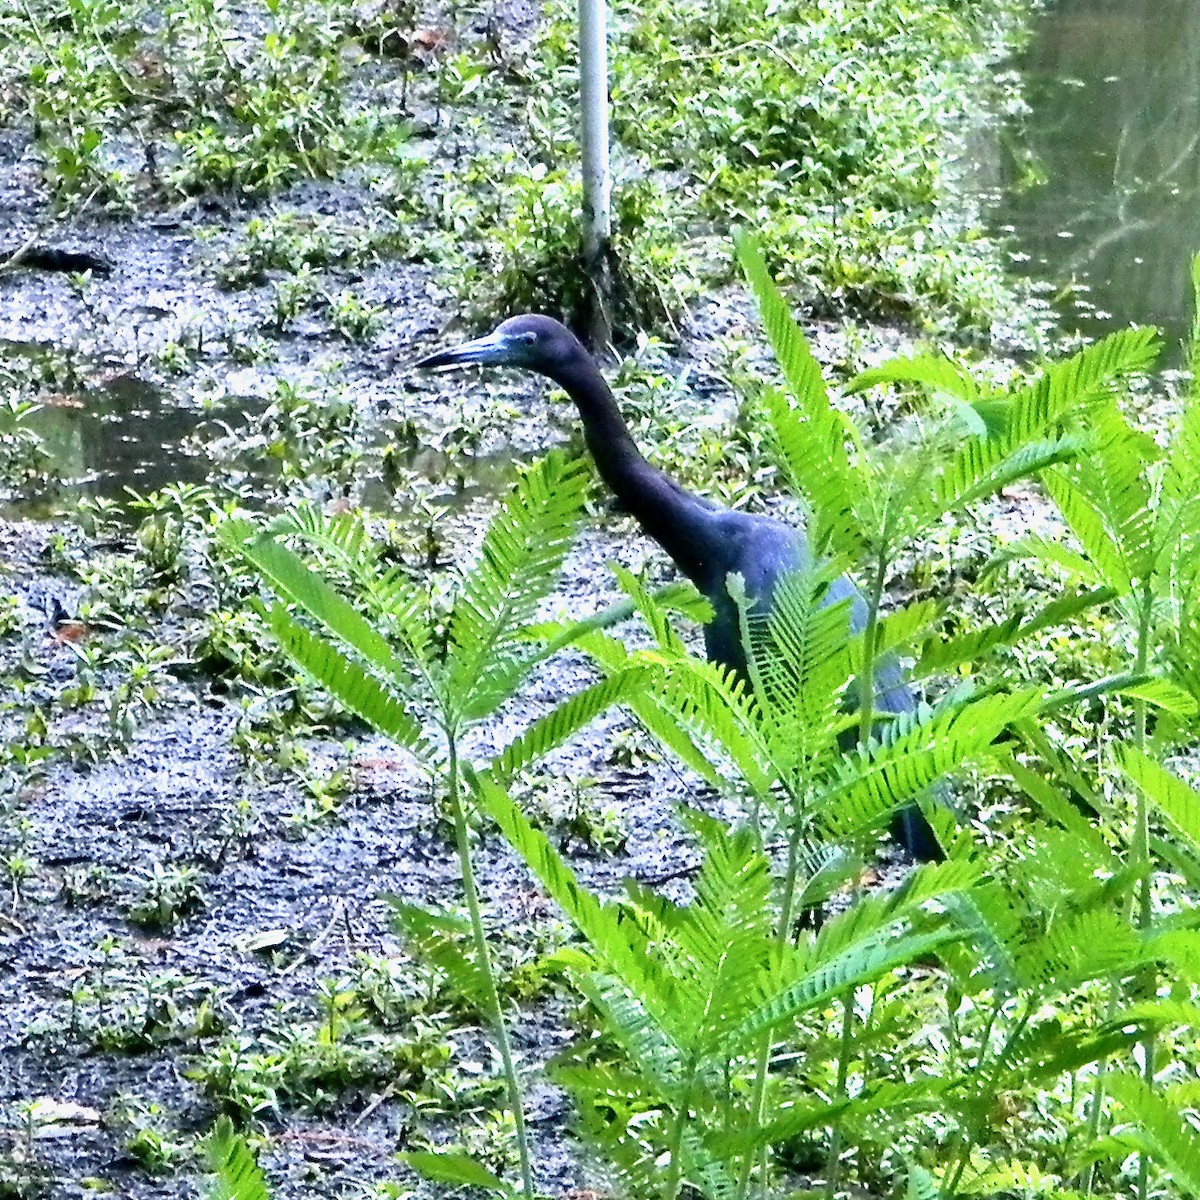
(529, 338)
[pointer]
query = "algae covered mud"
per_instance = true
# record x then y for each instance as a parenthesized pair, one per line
(284, 204)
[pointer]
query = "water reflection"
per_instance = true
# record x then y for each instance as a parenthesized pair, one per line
(116, 434)
(124, 433)
(1114, 90)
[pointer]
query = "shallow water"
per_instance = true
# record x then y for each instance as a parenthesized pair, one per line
(123, 434)
(1114, 131)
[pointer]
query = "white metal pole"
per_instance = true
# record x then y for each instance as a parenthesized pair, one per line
(597, 184)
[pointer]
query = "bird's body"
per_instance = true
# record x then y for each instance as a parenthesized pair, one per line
(707, 543)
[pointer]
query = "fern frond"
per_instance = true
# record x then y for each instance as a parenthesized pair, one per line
(1181, 479)
(915, 753)
(1065, 388)
(1085, 835)
(721, 943)
(934, 373)
(897, 631)
(983, 465)
(522, 553)
(920, 1185)
(1076, 565)
(823, 979)
(454, 1169)
(1015, 1178)
(290, 579)
(656, 709)
(710, 708)
(237, 1173)
(681, 597)
(1034, 436)
(561, 723)
(1107, 503)
(939, 655)
(792, 1118)
(1161, 1129)
(810, 447)
(1179, 803)
(616, 942)
(1093, 944)
(342, 535)
(812, 438)
(800, 664)
(377, 703)
(994, 926)
(787, 339)
(445, 941)
(639, 1032)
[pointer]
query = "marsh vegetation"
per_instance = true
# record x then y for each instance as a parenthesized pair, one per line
(366, 809)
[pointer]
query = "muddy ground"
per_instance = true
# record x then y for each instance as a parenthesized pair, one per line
(76, 971)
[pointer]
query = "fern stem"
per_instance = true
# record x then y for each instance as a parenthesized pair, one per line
(483, 955)
(782, 934)
(866, 685)
(866, 688)
(1142, 872)
(833, 1162)
(675, 1176)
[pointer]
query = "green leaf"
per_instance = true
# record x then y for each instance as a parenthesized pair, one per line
(811, 449)
(455, 1168)
(935, 373)
(293, 581)
(864, 961)
(913, 754)
(1106, 501)
(561, 723)
(921, 1184)
(939, 655)
(812, 438)
(1162, 1130)
(1162, 694)
(237, 1173)
(377, 704)
(445, 941)
(614, 938)
(522, 553)
(1179, 803)
(801, 666)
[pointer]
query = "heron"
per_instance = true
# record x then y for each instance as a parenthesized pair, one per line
(706, 542)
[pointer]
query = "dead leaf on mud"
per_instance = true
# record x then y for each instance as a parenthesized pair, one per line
(51, 1118)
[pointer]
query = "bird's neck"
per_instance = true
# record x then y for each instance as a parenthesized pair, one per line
(667, 512)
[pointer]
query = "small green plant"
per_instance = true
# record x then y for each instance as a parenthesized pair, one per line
(352, 317)
(151, 1137)
(462, 664)
(165, 894)
(292, 295)
(336, 1057)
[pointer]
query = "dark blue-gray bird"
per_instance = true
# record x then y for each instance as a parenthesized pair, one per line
(706, 542)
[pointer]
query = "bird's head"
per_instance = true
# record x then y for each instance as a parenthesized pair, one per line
(533, 342)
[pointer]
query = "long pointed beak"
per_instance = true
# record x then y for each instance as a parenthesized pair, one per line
(489, 349)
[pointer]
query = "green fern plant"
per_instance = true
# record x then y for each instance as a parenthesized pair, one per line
(866, 505)
(1133, 512)
(779, 735)
(687, 993)
(423, 672)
